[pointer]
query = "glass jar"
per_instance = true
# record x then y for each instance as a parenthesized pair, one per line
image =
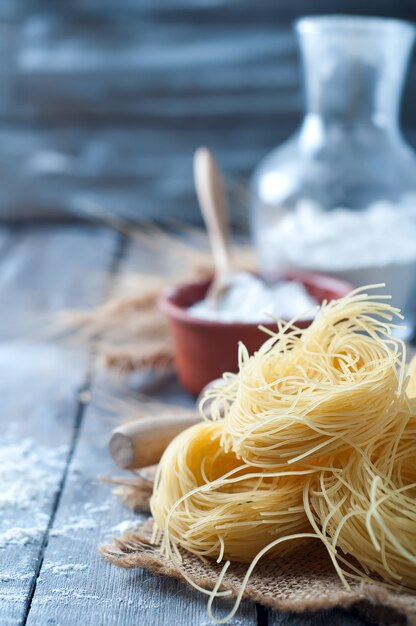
(340, 195)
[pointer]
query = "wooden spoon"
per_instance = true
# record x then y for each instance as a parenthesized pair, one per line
(213, 203)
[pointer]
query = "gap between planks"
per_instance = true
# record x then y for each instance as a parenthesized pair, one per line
(114, 268)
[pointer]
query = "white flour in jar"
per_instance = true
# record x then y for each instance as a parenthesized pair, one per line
(251, 300)
(371, 246)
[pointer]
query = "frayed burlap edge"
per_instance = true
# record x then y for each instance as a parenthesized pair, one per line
(304, 580)
(134, 493)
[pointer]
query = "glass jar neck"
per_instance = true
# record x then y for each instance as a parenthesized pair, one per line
(354, 69)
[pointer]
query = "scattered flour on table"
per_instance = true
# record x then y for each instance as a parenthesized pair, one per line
(92, 508)
(13, 597)
(65, 569)
(74, 524)
(127, 524)
(66, 597)
(6, 578)
(20, 536)
(28, 473)
(88, 519)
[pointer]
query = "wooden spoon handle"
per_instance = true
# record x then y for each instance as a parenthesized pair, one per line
(212, 200)
(141, 442)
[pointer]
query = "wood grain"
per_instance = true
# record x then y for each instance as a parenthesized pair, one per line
(336, 617)
(39, 385)
(108, 100)
(58, 578)
(101, 593)
(96, 592)
(40, 274)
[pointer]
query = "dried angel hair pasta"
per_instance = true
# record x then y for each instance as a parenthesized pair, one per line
(411, 373)
(308, 394)
(315, 438)
(211, 504)
(365, 507)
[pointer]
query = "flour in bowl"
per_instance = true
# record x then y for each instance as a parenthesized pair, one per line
(251, 300)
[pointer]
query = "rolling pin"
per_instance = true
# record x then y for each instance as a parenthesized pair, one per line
(141, 443)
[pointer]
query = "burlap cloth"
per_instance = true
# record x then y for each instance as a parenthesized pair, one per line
(303, 580)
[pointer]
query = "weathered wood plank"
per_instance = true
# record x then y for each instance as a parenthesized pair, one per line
(135, 171)
(168, 68)
(92, 591)
(96, 94)
(97, 97)
(159, 67)
(5, 241)
(216, 7)
(75, 584)
(336, 617)
(47, 269)
(140, 172)
(39, 385)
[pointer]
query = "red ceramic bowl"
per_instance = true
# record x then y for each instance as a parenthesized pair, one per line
(204, 349)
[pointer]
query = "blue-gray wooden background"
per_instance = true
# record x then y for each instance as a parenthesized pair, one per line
(106, 101)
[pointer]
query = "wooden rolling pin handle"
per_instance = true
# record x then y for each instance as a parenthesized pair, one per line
(140, 443)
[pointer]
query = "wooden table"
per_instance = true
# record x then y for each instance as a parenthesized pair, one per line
(57, 577)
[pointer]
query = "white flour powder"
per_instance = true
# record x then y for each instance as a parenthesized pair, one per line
(342, 239)
(127, 524)
(29, 474)
(22, 536)
(251, 300)
(64, 569)
(74, 524)
(376, 245)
